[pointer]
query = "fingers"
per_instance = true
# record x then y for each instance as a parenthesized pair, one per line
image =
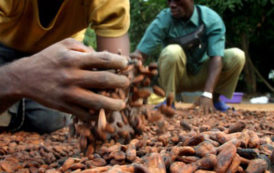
(101, 80)
(90, 100)
(103, 60)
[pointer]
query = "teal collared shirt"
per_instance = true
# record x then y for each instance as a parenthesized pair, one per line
(164, 27)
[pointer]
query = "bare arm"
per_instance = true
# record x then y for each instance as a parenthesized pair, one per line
(215, 67)
(60, 77)
(114, 44)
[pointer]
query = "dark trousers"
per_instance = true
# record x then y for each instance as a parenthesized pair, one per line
(28, 114)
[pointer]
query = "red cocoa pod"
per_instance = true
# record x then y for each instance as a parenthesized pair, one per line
(159, 91)
(176, 167)
(168, 111)
(225, 158)
(205, 148)
(155, 163)
(67, 164)
(170, 99)
(254, 140)
(138, 79)
(208, 162)
(234, 165)
(143, 93)
(257, 166)
(237, 127)
(194, 140)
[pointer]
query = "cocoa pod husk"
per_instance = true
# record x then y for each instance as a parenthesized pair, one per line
(257, 166)
(158, 91)
(225, 158)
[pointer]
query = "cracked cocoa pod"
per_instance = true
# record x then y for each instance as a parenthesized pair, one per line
(257, 166)
(159, 91)
(225, 158)
(237, 127)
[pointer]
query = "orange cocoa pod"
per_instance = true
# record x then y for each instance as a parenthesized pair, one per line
(159, 91)
(225, 158)
(176, 167)
(257, 165)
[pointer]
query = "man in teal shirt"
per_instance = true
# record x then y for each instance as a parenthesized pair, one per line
(208, 66)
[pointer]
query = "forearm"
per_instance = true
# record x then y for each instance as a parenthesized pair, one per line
(114, 45)
(215, 68)
(9, 89)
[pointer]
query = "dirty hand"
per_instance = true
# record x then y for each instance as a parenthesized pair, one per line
(62, 76)
(205, 105)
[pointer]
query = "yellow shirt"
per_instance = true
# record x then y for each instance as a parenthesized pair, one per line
(20, 26)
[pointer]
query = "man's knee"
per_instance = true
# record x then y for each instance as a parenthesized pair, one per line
(172, 54)
(237, 56)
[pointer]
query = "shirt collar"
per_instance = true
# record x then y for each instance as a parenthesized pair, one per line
(195, 17)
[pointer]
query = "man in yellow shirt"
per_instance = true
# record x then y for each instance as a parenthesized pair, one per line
(38, 64)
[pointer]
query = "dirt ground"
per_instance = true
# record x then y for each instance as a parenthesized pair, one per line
(243, 106)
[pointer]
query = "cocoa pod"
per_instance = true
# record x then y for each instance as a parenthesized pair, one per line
(234, 165)
(225, 158)
(205, 148)
(257, 166)
(159, 91)
(155, 163)
(177, 167)
(237, 127)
